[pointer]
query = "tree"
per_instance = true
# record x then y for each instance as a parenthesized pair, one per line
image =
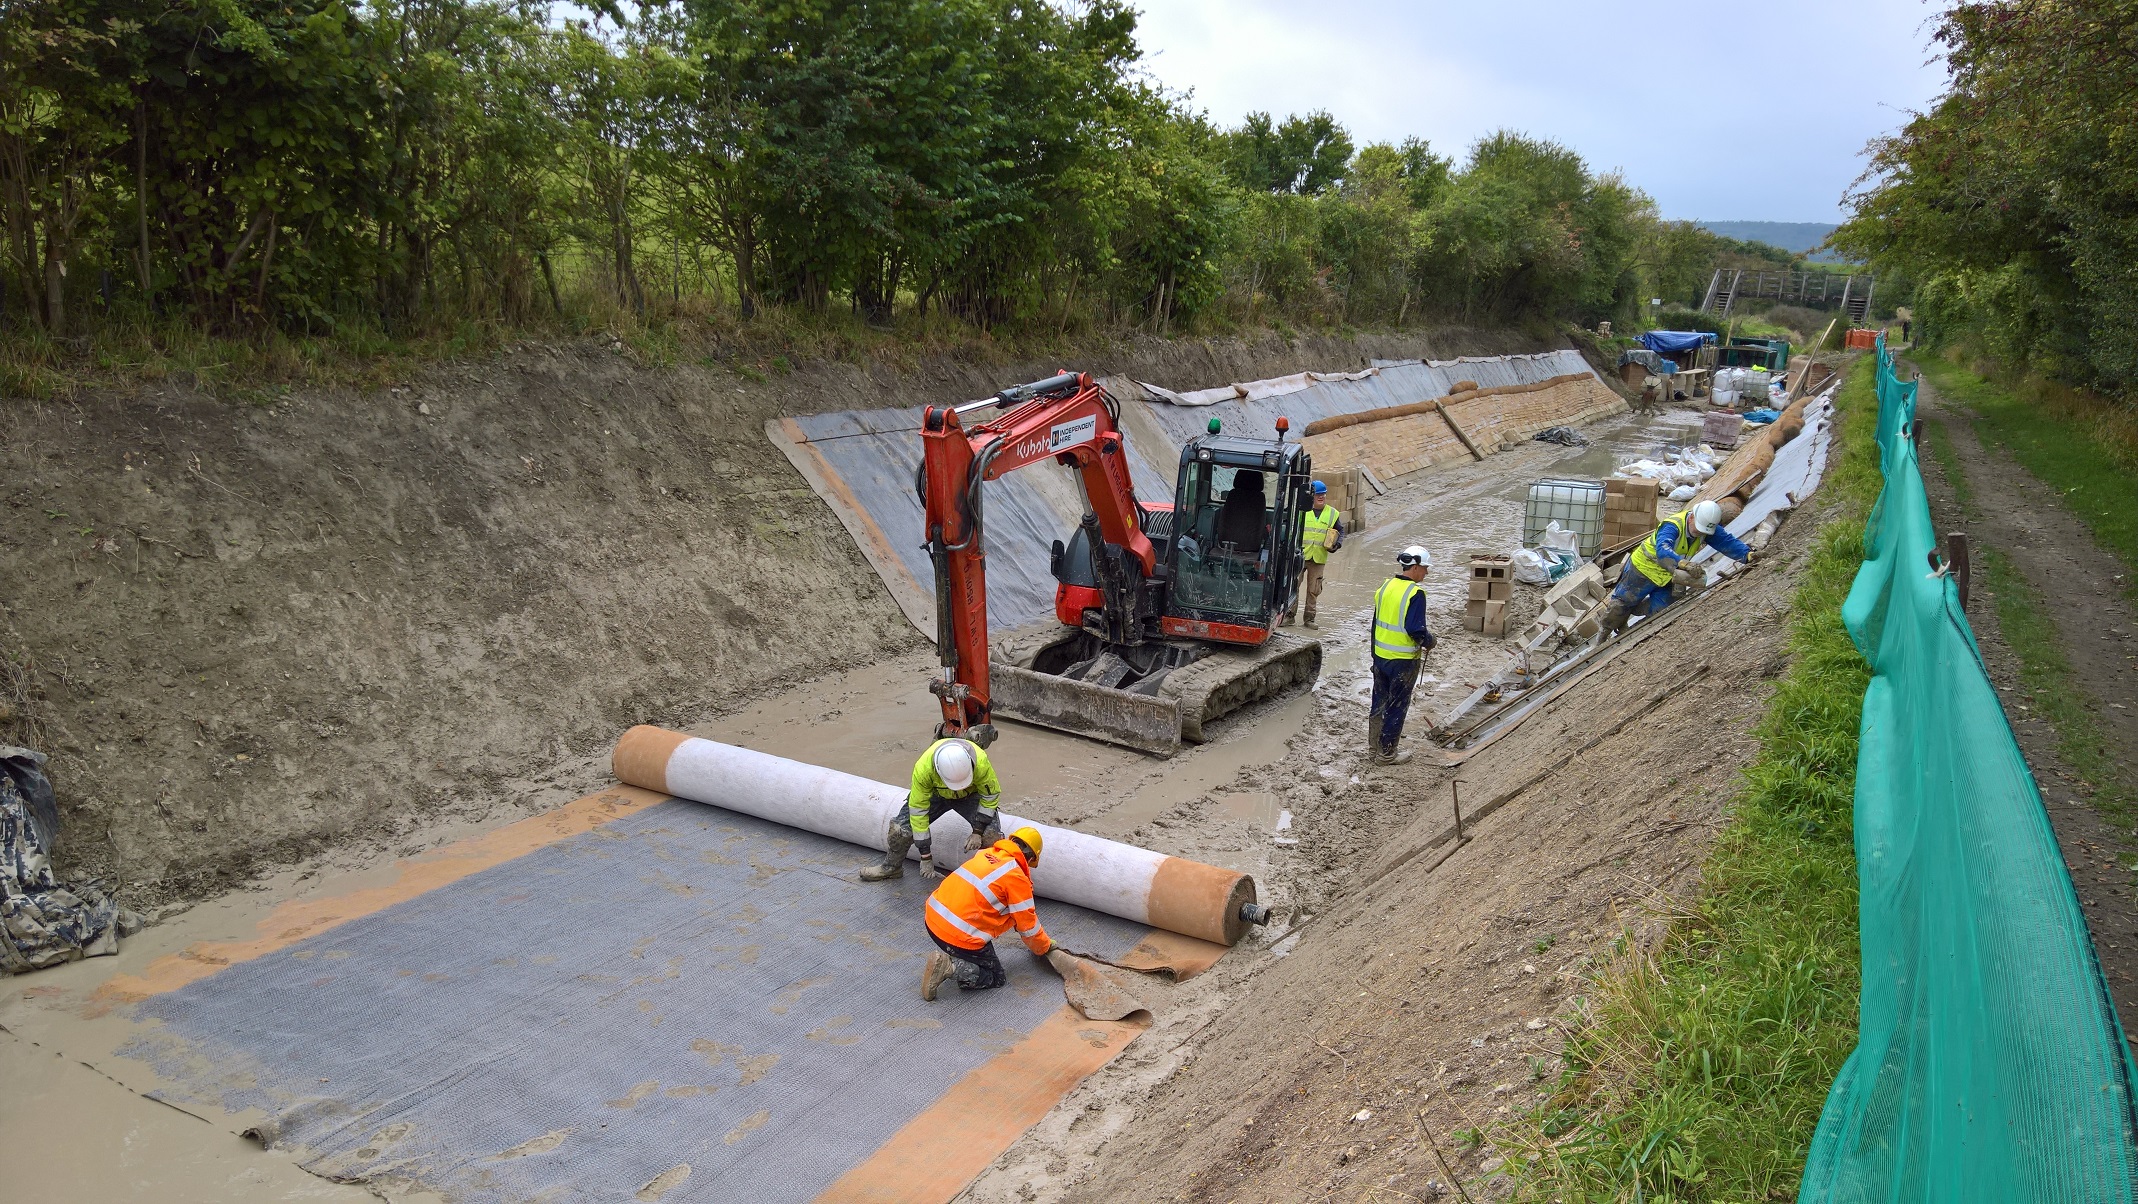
(64, 104)
(1304, 155)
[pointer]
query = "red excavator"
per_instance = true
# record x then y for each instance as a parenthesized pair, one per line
(1169, 611)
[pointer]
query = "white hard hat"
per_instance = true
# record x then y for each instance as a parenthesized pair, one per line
(1414, 554)
(1705, 517)
(953, 764)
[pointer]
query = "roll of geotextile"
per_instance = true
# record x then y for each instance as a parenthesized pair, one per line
(1172, 893)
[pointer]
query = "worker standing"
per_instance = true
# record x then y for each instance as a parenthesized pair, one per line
(1321, 533)
(1661, 564)
(953, 775)
(979, 901)
(1400, 641)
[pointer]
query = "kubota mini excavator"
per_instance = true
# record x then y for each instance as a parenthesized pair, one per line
(1169, 612)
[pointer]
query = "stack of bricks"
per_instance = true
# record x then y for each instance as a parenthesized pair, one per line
(1629, 509)
(1722, 429)
(1491, 585)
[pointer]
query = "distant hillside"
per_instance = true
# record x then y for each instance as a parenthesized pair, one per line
(1789, 236)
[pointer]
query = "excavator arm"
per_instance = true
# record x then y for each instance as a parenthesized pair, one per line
(1067, 419)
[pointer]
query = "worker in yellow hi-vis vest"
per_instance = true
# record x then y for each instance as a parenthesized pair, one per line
(1321, 533)
(1400, 642)
(1661, 566)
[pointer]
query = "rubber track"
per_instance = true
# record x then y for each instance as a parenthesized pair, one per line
(1230, 678)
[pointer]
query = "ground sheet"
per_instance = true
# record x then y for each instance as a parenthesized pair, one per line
(684, 1004)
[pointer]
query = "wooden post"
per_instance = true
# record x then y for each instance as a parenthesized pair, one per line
(1455, 786)
(1450, 420)
(1956, 556)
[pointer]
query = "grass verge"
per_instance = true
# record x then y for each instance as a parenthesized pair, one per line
(1698, 1067)
(2045, 674)
(2085, 448)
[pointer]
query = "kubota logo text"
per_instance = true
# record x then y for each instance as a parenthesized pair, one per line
(1067, 434)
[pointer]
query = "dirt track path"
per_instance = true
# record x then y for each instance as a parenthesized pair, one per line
(2018, 515)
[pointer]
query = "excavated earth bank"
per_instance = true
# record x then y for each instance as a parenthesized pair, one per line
(244, 633)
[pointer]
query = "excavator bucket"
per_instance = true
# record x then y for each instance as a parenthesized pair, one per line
(1154, 697)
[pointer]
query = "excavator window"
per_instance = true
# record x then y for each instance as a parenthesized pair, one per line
(1222, 524)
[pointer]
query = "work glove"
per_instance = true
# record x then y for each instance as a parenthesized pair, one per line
(928, 871)
(975, 842)
(1685, 578)
(1750, 556)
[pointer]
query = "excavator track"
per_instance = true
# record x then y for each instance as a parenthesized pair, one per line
(1157, 715)
(1232, 677)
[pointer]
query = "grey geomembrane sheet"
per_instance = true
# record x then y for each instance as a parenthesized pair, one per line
(682, 985)
(861, 463)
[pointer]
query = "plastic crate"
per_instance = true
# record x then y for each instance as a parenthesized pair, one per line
(1575, 504)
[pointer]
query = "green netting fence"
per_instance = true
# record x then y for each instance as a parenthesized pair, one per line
(1990, 1065)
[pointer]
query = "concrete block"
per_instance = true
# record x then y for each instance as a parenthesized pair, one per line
(1495, 618)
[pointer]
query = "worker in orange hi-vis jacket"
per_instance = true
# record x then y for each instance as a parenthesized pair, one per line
(979, 901)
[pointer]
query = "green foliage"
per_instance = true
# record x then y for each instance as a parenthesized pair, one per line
(1699, 1067)
(1303, 155)
(2011, 199)
(347, 168)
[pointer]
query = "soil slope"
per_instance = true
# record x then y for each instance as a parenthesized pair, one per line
(247, 632)
(1404, 1000)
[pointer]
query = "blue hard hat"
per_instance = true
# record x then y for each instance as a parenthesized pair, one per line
(1320, 488)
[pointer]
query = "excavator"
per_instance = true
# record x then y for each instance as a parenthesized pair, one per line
(1168, 611)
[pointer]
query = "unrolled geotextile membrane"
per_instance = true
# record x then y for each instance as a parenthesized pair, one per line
(1173, 893)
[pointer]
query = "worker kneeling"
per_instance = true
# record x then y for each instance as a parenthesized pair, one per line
(953, 775)
(1661, 564)
(978, 902)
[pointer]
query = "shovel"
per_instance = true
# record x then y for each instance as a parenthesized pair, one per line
(1095, 993)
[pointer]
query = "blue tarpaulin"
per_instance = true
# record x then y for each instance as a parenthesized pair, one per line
(1671, 342)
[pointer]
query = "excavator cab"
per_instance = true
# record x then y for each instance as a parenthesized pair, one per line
(1234, 558)
(1168, 613)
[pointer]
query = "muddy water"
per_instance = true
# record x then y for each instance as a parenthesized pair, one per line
(82, 1110)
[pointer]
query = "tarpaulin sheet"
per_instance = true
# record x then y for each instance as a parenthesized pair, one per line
(1798, 467)
(683, 987)
(1990, 1063)
(1674, 341)
(861, 462)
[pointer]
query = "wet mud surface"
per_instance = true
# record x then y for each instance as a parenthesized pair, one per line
(1280, 791)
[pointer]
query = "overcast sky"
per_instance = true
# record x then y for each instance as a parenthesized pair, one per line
(1761, 116)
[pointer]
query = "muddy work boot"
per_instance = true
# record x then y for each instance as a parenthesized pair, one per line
(1389, 754)
(896, 842)
(940, 968)
(1615, 617)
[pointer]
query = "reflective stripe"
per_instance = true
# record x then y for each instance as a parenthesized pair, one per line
(1314, 533)
(986, 885)
(1027, 905)
(956, 921)
(1391, 640)
(981, 886)
(1645, 557)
